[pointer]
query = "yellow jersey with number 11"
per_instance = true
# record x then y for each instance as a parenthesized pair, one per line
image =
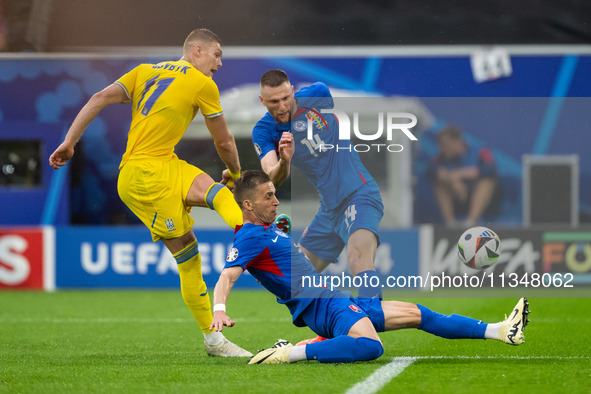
(165, 98)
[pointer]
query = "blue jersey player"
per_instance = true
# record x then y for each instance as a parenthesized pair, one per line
(351, 207)
(350, 323)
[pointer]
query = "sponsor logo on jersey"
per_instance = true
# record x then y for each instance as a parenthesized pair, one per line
(232, 255)
(257, 149)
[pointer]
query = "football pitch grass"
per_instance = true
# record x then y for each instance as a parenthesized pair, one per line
(147, 342)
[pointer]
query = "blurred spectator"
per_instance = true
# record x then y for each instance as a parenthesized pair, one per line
(465, 181)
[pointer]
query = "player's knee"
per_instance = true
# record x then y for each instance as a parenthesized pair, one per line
(367, 349)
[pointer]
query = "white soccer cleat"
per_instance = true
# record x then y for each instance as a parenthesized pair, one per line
(278, 354)
(226, 349)
(511, 330)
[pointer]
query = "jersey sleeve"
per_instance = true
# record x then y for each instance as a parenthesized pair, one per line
(208, 100)
(263, 137)
(244, 251)
(127, 82)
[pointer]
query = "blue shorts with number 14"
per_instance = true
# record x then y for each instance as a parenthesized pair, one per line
(329, 231)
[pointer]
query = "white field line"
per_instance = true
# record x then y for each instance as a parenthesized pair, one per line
(385, 374)
(382, 376)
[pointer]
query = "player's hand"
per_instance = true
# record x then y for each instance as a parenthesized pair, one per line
(286, 146)
(227, 179)
(61, 155)
(220, 319)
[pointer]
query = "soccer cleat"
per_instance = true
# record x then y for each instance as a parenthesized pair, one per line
(283, 223)
(311, 340)
(511, 330)
(226, 349)
(278, 354)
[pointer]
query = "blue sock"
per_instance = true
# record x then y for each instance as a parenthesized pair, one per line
(368, 278)
(452, 326)
(344, 349)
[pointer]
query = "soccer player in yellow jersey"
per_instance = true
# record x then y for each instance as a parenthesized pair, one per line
(158, 187)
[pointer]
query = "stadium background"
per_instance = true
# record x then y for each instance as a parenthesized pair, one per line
(68, 229)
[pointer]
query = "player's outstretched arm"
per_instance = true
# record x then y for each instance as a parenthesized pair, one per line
(112, 94)
(220, 295)
(278, 168)
(224, 142)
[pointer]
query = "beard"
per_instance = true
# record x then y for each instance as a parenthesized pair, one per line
(288, 119)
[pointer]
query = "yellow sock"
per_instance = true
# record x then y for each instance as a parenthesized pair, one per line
(193, 288)
(221, 199)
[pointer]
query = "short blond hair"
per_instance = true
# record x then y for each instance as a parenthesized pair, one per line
(200, 35)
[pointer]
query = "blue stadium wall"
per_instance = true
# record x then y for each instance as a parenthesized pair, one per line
(91, 257)
(42, 94)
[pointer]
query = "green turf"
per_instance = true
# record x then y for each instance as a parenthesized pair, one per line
(146, 341)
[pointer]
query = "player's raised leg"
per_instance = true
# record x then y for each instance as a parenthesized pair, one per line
(194, 292)
(361, 219)
(317, 262)
(205, 192)
(361, 253)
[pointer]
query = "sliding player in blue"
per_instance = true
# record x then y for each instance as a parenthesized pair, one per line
(351, 324)
(351, 207)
